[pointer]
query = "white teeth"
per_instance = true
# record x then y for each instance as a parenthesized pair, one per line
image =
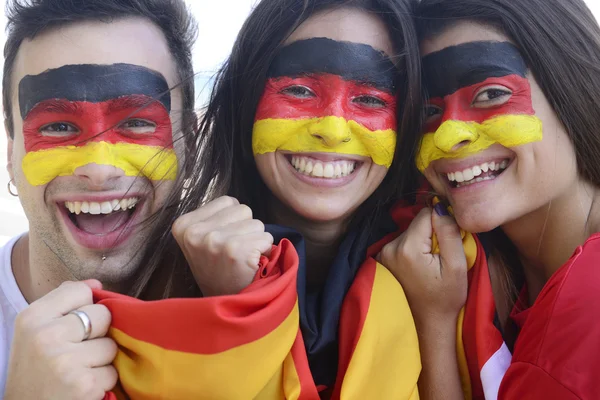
(459, 176)
(337, 172)
(318, 170)
(470, 175)
(96, 208)
(323, 169)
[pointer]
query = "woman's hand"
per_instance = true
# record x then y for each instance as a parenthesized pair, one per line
(436, 288)
(222, 244)
(435, 284)
(50, 356)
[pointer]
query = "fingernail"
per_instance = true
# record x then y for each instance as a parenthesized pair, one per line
(440, 209)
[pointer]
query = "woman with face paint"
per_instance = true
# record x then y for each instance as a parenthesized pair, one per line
(301, 134)
(511, 142)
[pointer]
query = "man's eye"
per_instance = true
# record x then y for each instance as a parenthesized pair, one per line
(138, 126)
(370, 101)
(59, 129)
(490, 97)
(298, 91)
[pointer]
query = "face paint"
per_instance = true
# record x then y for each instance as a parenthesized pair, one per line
(114, 115)
(328, 96)
(479, 96)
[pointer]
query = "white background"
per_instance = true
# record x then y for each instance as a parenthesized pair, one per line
(218, 22)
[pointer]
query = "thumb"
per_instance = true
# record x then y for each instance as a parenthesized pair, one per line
(93, 284)
(448, 237)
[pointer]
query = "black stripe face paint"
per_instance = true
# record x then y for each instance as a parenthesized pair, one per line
(455, 67)
(351, 61)
(92, 83)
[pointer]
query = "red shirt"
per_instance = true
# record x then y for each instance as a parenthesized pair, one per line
(557, 352)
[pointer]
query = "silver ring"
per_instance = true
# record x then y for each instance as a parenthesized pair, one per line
(86, 321)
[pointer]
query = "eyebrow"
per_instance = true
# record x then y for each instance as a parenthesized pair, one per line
(139, 102)
(455, 67)
(57, 106)
(352, 61)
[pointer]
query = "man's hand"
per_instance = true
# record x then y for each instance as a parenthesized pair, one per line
(49, 358)
(222, 244)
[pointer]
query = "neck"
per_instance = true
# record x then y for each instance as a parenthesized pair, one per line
(38, 270)
(322, 239)
(547, 237)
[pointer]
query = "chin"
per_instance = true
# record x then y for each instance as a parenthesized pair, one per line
(321, 212)
(477, 221)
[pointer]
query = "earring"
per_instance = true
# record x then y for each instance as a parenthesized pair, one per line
(15, 193)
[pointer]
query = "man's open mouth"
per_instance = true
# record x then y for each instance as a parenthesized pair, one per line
(477, 173)
(101, 218)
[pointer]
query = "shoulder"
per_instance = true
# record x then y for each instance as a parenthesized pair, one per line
(562, 336)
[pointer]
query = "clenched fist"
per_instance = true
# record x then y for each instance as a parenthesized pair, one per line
(222, 244)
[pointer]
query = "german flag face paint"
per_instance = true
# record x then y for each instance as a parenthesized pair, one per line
(331, 97)
(114, 115)
(479, 96)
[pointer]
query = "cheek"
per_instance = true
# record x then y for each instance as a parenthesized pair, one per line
(265, 164)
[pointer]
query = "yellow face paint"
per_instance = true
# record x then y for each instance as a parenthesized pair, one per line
(506, 130)
(324, 134)
(153, 162)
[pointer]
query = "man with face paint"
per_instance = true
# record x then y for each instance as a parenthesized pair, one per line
(93, 155)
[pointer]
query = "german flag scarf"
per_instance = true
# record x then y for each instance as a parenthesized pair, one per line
(483, 356)
(354, 338)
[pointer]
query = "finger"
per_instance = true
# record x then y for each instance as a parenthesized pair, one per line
(106, 377)
(65, 298)
(202, 213)
(452, 252)
(243, 228)
(94, 284)
(97, 352)
(230, 215)
(418, 235)
(72, 327)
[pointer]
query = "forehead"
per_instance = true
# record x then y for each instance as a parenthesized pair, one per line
(346, 24)
(447, 70)
(125, 41)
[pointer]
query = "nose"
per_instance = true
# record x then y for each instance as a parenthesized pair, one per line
(331, 131)
(452, 135)
(98, 175)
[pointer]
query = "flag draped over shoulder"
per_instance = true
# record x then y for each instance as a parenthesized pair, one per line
(483, 356)
(272, 340)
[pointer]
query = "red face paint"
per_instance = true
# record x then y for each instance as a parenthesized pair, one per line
(94, 122)
(459, 106)
(322, 95)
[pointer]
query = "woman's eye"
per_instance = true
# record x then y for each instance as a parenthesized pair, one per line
(139, 126)
(432, 112)
(59, 129)
(298, 91)
(370, 101)
(491, 97)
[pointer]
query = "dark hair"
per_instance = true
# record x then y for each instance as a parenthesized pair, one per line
(228, 120)
(560, 42)
(28, 18)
